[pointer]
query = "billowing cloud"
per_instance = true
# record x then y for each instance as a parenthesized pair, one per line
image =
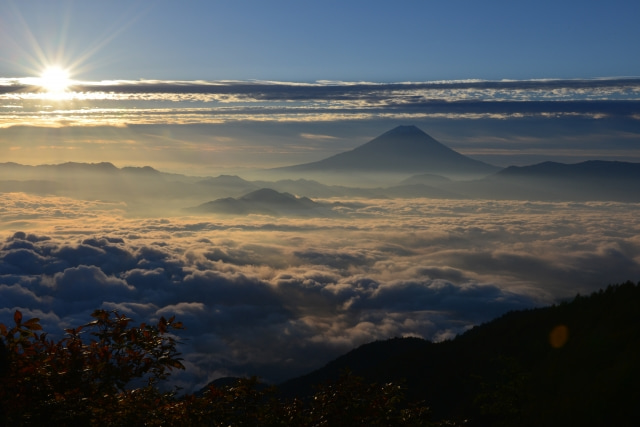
(278, 298)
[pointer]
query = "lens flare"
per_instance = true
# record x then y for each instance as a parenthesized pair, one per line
(558, 336)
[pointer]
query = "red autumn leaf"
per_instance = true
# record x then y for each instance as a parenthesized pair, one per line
(17, 317)
(33, 324)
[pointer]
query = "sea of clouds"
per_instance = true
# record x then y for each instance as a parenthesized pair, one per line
(278, 297)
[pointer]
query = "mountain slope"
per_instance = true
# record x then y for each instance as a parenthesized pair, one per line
(592, 170)
(404, 149)
(586, 181)
(264, 201)
(570, 364)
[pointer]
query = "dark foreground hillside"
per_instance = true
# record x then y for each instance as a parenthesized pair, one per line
(576, 363)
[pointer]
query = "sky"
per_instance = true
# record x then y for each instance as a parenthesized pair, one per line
(228, 87)
(357, 40)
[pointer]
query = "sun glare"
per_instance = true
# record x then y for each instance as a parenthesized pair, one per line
(55, 80)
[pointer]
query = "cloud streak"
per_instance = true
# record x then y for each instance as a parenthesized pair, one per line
(149, 102)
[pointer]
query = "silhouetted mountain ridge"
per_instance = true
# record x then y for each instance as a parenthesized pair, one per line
(590, 169)
(568, 364)
(586, 181)
(264, 201)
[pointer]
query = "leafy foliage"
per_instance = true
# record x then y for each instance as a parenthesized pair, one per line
(107, 373)
(83, 378)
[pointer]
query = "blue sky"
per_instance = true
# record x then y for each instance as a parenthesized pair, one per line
(315, 40)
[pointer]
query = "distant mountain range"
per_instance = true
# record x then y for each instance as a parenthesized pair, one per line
(589, 170)
(404, 149)
(406, 162)
(585, 181)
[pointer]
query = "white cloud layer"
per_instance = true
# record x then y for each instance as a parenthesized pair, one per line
(169, 102)
(278, 298)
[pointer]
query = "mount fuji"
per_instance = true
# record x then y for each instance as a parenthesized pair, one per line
(404, 149)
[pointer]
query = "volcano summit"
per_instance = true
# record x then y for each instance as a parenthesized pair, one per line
(404, 149)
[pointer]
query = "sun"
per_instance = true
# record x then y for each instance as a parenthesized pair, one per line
(54, 80)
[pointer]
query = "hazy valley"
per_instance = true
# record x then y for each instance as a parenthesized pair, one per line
(403, 163)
